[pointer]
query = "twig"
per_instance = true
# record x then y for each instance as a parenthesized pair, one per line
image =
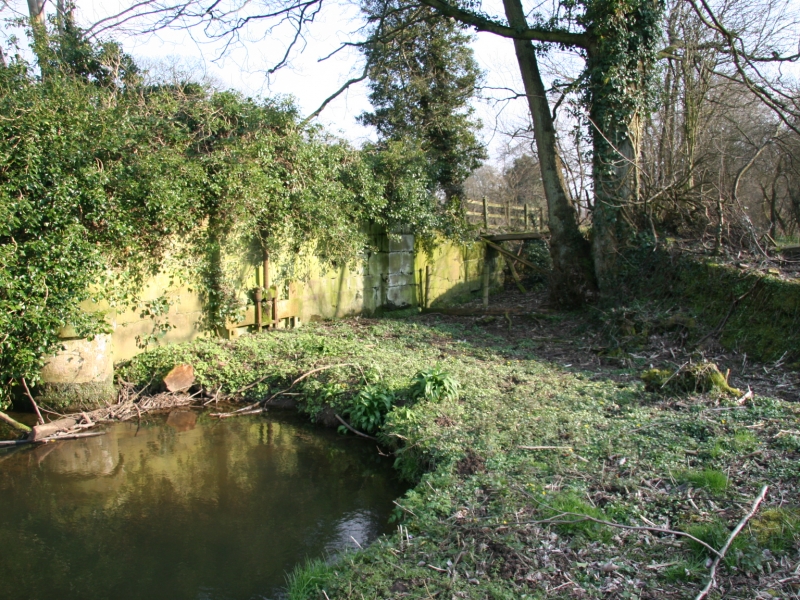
(30, 397)
(583, 517)
(721, 554)
(671, 377)
(714, 332)
(364, 435)
(545, 448)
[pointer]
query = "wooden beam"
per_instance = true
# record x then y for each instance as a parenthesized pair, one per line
(508, 237)
(513, 256)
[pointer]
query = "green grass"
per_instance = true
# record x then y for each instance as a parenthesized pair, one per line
(607, 449)
(710, 479)
(306, 580)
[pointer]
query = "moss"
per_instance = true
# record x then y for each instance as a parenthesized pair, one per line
(70, 397)
(698, 378)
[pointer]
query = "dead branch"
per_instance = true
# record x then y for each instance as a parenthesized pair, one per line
(721, 554)
(275, 395)
(348, 426)
(52, 438)
(15, 424)
(30, 397)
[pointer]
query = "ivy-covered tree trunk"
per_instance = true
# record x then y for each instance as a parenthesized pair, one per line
(573, 281)
(620, 59)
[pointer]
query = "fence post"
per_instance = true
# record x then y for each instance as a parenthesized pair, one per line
(526, 216)
(427, 286)
(485, 214)
(541, 218)
(508, 213)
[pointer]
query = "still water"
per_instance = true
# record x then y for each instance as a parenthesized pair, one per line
(185, 507)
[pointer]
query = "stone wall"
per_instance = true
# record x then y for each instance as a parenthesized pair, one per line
(391, 277)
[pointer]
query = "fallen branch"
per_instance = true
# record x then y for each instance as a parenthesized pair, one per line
(718, 329)
(721, 554)
(52, 438)
(582, 517)
(513, 256)
(275, 395)
(15, 424)
(345, 423)
(30, 397)
(545, 448)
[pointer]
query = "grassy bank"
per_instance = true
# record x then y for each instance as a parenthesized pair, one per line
(748, 309)
(507, 469)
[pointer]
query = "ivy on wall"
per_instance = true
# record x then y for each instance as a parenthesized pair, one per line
(104, 180)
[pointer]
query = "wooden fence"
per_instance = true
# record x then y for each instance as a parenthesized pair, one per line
(494, 215)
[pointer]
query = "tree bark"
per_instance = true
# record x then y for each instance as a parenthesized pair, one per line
(572, 282)
(39, 28)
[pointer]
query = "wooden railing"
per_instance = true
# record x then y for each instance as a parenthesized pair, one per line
(494, 215)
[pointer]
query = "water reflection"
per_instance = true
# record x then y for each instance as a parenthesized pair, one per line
(186, 507)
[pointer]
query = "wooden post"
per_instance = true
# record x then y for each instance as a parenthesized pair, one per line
(485, 214)
(427, 286)
(541, 218)
(265, 286)
(486, 264)
(508, 213)
(258, 308)
(526, 217)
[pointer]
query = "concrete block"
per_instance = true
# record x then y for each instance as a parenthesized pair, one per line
(401, 295)
(396, 279)
(378, 263)
(81, 361)
(401, 262)
(401, 243)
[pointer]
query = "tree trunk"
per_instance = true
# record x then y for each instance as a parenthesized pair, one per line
(39, 28)
(572, 282)
(14, 423)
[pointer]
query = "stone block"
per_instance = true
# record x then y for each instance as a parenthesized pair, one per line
(81, 361)
(401, 262)
(401, 295)
(401, 243)
(396, 279)
(378, 263)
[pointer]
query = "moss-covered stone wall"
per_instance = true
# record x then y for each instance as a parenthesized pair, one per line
(391, 276)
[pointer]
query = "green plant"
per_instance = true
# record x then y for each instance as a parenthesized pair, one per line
(368, 409)
(710, 479)
(305, 580)
(743, 553)
(777, 529)
(573, 525)
(434, 385)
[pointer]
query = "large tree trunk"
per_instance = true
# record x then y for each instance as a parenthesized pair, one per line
(615, 181)
(573, 281)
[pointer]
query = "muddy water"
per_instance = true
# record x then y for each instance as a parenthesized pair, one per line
(185, 507)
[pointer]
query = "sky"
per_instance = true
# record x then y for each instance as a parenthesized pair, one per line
(309, 80)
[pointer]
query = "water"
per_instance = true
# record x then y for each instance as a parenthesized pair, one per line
(187, 507)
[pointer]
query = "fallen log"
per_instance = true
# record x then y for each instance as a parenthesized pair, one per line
(53, 438)
(49, 429)
(14, 423)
